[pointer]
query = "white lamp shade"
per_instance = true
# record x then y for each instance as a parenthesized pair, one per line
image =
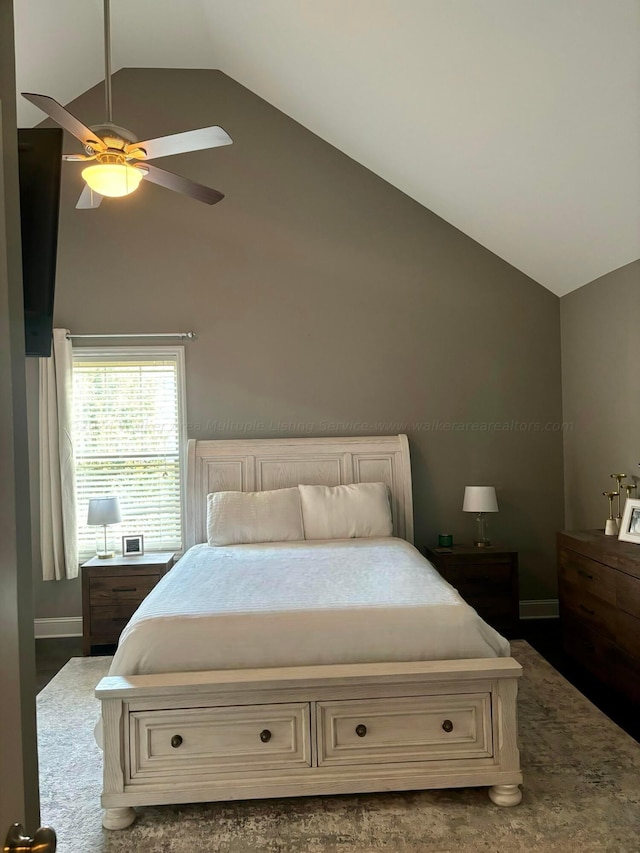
(480, 499)
(104, 511)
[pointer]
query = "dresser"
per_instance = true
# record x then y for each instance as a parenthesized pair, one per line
(112, 590)
(487, 579)
(599, 586)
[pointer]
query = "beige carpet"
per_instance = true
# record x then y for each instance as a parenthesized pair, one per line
(581, 790)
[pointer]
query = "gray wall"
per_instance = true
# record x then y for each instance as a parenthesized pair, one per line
(326, 302)
(601, 391)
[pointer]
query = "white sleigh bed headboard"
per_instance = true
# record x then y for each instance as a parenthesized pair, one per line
(247, 465)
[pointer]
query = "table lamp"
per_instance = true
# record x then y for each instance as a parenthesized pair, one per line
(103, 512)
(480, 499)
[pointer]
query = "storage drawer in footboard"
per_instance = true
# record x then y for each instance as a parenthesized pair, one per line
(414, 728)
(188, 742)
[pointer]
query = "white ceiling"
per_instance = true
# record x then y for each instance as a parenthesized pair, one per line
(517, 121)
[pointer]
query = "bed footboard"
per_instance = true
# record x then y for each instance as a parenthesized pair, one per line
(225, 735)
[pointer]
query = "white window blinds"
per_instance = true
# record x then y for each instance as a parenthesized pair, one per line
(128, 440)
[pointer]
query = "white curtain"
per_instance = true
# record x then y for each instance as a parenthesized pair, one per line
(58, 527)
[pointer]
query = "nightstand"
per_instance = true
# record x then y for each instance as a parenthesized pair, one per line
(112, 589)
(487, 579)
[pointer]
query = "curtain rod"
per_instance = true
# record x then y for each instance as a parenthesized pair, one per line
(190, 336)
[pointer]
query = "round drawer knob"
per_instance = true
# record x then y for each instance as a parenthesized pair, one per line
(447, 726)
(361, 730)
(176, 741)
(265, 736)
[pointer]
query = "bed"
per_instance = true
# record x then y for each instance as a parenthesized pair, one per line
(281, 689)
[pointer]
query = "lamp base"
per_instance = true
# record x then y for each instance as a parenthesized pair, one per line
(481, 540)
(105, 545)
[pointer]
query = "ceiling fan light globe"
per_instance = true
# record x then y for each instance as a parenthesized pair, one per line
(112, 179)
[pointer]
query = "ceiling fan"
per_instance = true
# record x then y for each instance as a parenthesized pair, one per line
(120, 159)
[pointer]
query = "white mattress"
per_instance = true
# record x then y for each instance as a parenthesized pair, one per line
(301, 603)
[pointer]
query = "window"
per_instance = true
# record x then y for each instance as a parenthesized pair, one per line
(129, 438)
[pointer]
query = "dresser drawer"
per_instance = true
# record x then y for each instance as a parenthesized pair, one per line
(626, 676)
(628, 594)
(110, 621)
(404, 729)
(628, 634)
(588, 648)
(187, 742)
(587, 575)
(120, 590)
(593, 612)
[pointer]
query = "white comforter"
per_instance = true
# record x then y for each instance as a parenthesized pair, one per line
(300, 603)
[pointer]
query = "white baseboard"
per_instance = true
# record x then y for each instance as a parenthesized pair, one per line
(543, 609)
(65, 626)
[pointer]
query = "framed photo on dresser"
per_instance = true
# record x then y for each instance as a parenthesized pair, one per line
(630, 524)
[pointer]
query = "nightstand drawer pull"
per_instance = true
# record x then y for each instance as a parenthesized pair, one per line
(265, 736)
(125, 589)
(447, 726)
(587, 610)
(584, 574)
(361, 730)
(176, 741)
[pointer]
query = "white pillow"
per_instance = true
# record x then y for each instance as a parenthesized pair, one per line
(346, 512)
(240, 518)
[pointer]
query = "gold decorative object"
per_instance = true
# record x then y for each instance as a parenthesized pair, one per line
(611, 527)
(629, 487)
(618, 478)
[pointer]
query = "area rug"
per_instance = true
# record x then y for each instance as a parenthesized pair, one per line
(581, 790)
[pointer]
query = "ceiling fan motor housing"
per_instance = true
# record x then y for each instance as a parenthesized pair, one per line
(112, 135)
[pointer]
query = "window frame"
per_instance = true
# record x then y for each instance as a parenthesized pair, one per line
(151, 352)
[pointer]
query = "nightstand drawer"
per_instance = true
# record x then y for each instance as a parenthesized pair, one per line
(109, 621)
(113, 589)
(487, 579)
(477, 580)
(495, 612)
(121, 589)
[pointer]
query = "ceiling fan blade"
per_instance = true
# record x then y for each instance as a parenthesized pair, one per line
(89, 199)
(64, 118)
(179, 143)
(77, 157)
(180, 184)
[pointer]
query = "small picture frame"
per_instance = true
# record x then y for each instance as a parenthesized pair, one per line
(132, 546)
(630, 524)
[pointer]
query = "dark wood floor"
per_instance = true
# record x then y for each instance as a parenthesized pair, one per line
(51, 656)
(542, 634)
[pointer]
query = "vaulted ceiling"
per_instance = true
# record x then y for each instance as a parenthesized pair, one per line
(517, 121)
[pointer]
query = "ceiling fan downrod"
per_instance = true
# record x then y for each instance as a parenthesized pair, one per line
(107, 62)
